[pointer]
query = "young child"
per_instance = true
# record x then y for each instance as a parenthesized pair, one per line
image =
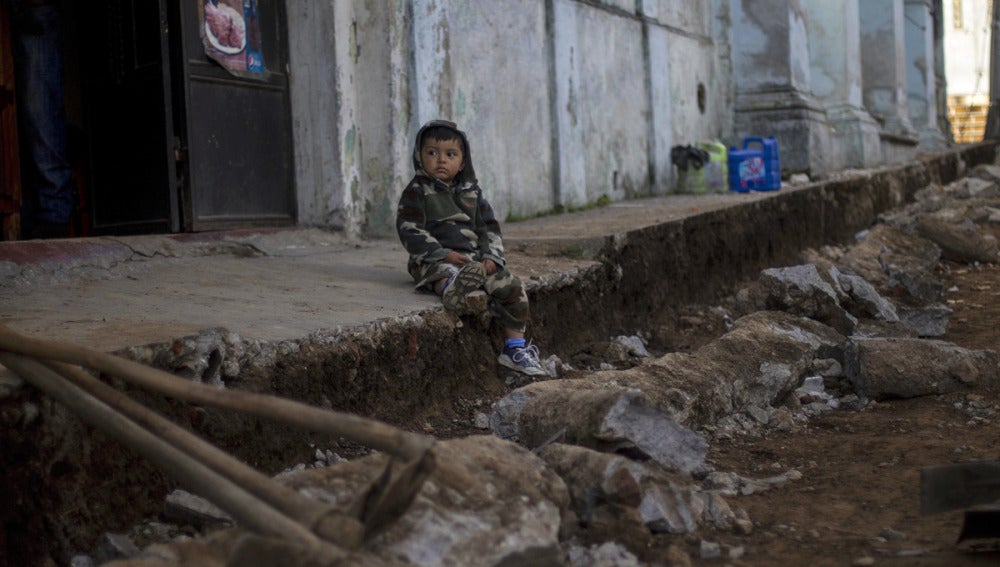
(454, 239)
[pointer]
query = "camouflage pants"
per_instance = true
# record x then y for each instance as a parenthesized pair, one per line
(508, 300)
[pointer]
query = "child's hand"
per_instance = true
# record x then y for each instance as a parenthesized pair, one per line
(491, 266)
(456, 258)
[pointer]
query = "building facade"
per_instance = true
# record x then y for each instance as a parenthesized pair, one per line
(569, 101)
(967, 44)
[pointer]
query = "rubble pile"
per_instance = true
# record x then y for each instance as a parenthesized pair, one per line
(581, 468)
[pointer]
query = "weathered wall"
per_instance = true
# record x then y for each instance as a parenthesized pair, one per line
(565, 101)
(349, 109)
(605, 118)
(485, 66)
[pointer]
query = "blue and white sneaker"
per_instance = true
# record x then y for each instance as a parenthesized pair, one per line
(523, 359)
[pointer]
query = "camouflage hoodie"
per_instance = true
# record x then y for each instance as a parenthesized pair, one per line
(433, 218)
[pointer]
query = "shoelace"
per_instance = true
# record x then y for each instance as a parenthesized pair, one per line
(451, 279)
(528, 353)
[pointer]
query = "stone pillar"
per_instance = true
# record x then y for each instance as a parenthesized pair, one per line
(921, 67)
(883, 63)
(835, 66)
(657, 51)
(772, 76)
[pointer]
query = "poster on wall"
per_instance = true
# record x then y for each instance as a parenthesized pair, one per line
(230, 33)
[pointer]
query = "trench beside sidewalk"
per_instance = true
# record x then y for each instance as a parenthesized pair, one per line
(276, 286)
(310, 316)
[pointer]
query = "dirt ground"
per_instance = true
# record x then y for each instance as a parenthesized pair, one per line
(858, 502)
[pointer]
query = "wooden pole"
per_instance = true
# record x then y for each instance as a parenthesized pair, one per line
(247, 509)
(349, 532)
(373, 433)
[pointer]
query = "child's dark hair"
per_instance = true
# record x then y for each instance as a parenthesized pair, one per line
(441, 134)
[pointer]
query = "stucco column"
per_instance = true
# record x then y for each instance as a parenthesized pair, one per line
(835, 69)
(921, 83)
(772, 76)
(883, 64)
(349, 92)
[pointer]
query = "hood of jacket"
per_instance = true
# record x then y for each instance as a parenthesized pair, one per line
(468, 174)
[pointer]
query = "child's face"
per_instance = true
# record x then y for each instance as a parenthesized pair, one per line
(442, 158)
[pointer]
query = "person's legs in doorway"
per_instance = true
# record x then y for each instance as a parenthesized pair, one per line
(47, 198)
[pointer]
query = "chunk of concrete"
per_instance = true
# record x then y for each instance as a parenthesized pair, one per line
(488, 502)
(978, 184)
(611, 419)
(882, 369)
(896, 263)
(863, 300)
(927, 321)
(665, 503)
(767, 355)
(182, 507)
(651, 409)
(959, 242)
(986, 171)
(801, 290)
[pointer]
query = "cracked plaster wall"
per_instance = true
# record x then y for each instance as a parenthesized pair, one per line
(565, 101)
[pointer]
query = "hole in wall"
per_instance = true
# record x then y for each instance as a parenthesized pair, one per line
(701, 97)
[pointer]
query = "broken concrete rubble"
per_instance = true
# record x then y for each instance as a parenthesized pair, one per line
(759, 362)
(986, 171)
(801, 290)
(925, 321)
(608, 488)
(608, 417)
(846, 301)
(744, 395)
(488, 502)
(664, 503)
(182, 507)
(732, 484)
(884, 369)
(959, 241)
(863, 300)
(978, 185)
(896, 263)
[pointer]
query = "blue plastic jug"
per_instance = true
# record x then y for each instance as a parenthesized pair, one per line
(755, 168)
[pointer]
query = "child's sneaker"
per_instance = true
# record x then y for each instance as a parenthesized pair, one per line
(523, 359)
(471, 277)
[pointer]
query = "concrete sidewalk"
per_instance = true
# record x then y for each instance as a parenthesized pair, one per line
(109, 293)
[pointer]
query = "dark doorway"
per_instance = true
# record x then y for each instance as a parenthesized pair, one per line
(127, 113)
(162, 137)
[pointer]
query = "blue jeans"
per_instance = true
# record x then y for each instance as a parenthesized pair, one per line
(41, 115)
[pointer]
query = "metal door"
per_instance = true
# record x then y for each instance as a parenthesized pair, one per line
(124, 61)
(237, 127)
